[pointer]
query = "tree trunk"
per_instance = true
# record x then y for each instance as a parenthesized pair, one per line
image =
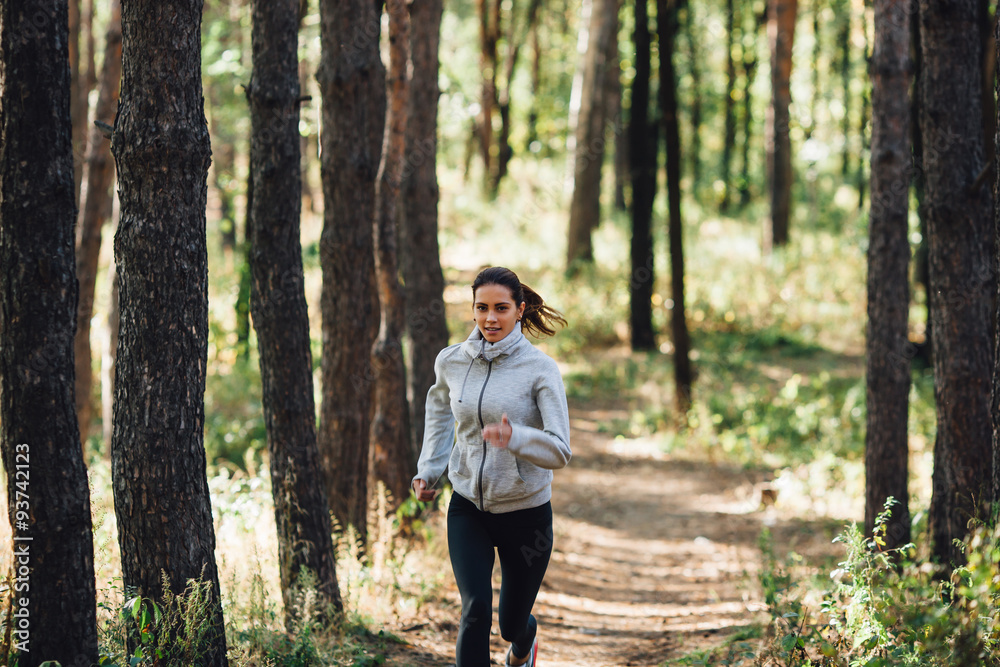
(514, 43)
(888, 348)
(97, 206)
(817, 54)
(666, 19)
(585, 206)
(536, 86)
(394, 455)
(278, 306)
(780, 34)
(962, 279)
(749, 70)
(161, 145)
(696, 92)
(78, 97)
(921, 259)
(615, 122)
(47, 489)
(995, 395)
(864, 120)
(489, 35)
(729, 115)
(420, 260)
(643, 138)
(352, 82)
(844, 46)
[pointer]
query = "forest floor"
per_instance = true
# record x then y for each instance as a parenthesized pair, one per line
(654, 558)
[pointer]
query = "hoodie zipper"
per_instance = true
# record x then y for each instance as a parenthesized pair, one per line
(482, 425)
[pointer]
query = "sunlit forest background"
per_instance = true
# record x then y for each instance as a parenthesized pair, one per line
(777, 334)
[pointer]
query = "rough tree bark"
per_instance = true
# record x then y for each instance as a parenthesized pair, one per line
(666, 20)
(585, 206)
(97, 205)
(995, 395)
(749, 61)
(161, 146)
(394, 458)
(961, 248)
(279, 311)
(780, 34)
(643, 138)
(420, 259)
(47, 489)
(352, 82)
(888, 348)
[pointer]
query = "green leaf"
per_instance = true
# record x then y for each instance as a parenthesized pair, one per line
(135, 605)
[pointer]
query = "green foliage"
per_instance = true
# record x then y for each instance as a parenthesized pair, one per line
(886, 609)
(141, 632)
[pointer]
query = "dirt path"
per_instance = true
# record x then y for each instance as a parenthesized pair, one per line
(650, 561)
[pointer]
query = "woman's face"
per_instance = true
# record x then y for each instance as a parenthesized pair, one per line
(495, 311)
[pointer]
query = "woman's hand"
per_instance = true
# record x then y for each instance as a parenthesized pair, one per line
(421, 491)
(498, 435)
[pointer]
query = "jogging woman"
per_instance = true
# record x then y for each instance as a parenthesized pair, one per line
(497, 418)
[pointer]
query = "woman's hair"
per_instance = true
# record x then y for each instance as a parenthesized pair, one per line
(538, 318)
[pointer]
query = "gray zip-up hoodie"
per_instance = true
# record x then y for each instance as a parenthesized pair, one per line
(476, 383)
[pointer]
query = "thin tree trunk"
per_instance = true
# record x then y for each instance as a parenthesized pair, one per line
(585, 206)
(961, 268)
(352, 82)
(419, 259)
(514, 44)
(161, 493)
(817, 54)
(696, 91)
(536, 86)
(96, 207)
(729, 113)
(749, 70)
(921, 259)
(54, 611)
(888, 348)
(844, 46)
(394, 461)
(489, 35)
(666, 19)
(781, 35)
(278, 306)
(643, 138)
(613, 116)
(78, 97)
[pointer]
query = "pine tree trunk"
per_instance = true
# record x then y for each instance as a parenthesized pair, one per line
(749, 70)
(995, 394)
(888, 349)
(394, 456)
(419, 259)
(696, 92)
(161, 145)
(110, 355)
(278, 306)
(844, 45)
(729, 115)
(961, 268)
(489, 35)
(643, 138)
(781, 34)
(514, 43)
(585, 206)
(96, 208)
(613, 115)
(352, 82)
(666, 19)
(54, 605)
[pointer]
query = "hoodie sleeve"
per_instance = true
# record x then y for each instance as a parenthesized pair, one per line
(547, 447)
(439, 428)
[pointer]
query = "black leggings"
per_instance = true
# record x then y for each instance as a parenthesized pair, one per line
(523, 539)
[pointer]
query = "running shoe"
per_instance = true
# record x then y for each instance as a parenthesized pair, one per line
(532, 655)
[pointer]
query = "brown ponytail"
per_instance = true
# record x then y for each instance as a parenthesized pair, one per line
(539, 318)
